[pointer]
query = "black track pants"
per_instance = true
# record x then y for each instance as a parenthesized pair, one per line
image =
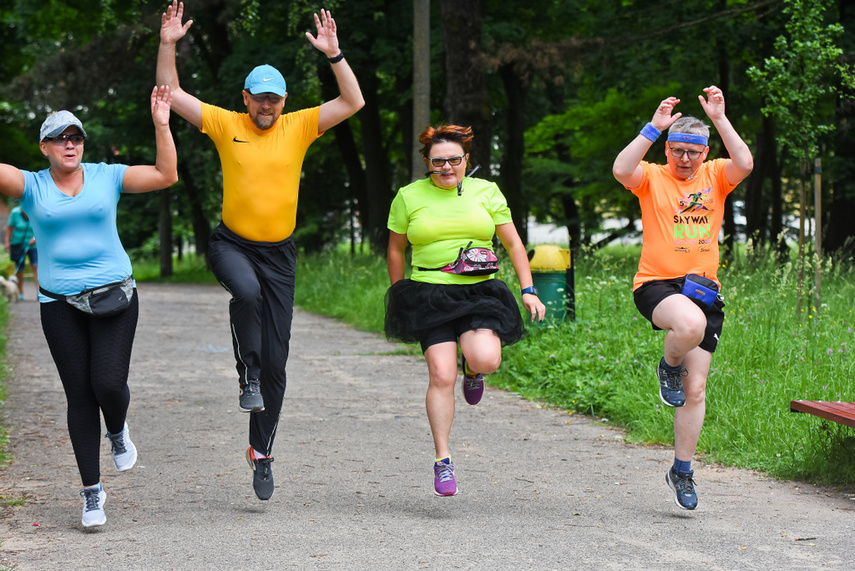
(260, 278)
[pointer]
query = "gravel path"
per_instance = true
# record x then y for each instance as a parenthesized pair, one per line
(539, 489)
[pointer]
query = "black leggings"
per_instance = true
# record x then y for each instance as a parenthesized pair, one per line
(92, 356)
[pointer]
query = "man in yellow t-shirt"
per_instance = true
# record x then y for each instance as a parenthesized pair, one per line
(682, 206)
(252, 251)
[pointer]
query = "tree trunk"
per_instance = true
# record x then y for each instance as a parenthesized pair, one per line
(378, 193)
(756, 205)
(466, 99)
(165, 231)
(421, 83)
(512, 160)
(200, 224)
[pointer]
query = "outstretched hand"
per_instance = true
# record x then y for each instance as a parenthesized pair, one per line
(161, 103)
(714, 104)
(327, 40)
(171, 28)
(662, 118)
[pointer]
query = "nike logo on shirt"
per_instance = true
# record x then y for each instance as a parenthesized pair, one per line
(236, 140)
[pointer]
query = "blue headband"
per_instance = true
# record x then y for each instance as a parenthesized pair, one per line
(687, 138)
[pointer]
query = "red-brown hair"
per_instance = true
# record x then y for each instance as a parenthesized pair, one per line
(445, 134)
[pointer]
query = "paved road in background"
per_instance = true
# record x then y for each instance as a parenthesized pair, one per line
(539, 489)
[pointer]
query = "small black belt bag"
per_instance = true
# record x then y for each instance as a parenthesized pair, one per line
(101, 301)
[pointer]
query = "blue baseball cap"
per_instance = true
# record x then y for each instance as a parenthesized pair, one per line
(58, 122)
(265, 79)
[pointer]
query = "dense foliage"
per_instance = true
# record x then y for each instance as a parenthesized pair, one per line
(554, 98)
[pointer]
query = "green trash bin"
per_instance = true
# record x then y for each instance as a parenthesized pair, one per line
(552, 273)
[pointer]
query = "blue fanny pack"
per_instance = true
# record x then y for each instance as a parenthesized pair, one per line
(700, 288)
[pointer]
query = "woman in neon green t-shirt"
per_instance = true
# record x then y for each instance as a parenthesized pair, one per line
(439, 215)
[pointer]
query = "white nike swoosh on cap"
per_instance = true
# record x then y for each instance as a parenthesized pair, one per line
(266, 79)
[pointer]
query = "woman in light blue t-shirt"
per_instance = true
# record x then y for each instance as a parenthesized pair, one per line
(72, 208)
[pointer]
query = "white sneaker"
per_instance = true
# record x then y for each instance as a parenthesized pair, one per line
(93, 506)
(124, 451)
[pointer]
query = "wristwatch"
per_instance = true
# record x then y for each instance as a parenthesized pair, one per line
(529, 289)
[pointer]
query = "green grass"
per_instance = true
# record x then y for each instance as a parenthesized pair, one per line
(603, 363)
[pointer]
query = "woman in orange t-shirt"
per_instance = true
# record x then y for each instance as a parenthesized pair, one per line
(682, 205)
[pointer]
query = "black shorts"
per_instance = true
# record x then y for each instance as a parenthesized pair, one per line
(651, 294)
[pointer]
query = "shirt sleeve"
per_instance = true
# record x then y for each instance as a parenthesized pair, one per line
(399, 220)
(497, 206)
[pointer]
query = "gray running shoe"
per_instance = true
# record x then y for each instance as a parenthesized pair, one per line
(250, 396)
(262, 475)
(93, 506)
(124, 451)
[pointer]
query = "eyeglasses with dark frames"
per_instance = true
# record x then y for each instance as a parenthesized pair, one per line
(63, 139)
(678, 153)
(453, 161)
(261, 97)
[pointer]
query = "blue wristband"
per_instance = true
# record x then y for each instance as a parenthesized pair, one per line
(650, 132)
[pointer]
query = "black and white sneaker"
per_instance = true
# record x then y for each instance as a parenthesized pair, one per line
(684, 489)
(250, 397)
(262, 475)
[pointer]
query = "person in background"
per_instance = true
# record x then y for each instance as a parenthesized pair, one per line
(72, 207)
(441, 215)
(682, 207)
(21, 244)
(252, 251)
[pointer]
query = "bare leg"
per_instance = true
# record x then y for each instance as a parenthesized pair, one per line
(439, 401)
(684, 324)
(483, 350)
(689, 419)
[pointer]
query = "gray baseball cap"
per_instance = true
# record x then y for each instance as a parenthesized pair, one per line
(58, 122)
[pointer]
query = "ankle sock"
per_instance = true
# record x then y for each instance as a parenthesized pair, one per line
(681, 466)
(257, 455)
(668, 367)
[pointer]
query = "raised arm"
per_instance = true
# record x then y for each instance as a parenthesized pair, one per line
(164, 172)
(172, 30)
(627, 168)
(741, 162)
(350, 101)
(510, 238)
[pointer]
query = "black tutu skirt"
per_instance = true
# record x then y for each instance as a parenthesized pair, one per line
(413, 308)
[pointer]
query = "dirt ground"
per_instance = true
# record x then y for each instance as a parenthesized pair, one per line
(539, 489)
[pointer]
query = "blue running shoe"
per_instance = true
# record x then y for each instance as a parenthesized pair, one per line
(684, 489)
(671, 385)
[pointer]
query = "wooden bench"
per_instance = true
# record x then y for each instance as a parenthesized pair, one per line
(842, 412)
